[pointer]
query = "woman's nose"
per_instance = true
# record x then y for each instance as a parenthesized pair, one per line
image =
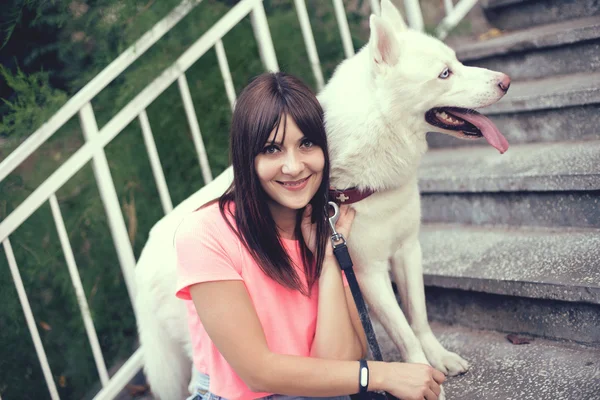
(292, 164)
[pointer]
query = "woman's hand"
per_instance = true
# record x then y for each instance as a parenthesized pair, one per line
(410, 381)
(309, 230)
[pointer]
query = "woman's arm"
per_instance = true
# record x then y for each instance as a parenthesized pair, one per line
(337, 335)
(229, 317)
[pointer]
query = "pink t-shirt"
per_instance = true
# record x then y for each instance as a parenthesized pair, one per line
(208, 250)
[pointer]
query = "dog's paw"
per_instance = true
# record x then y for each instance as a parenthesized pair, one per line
(452, 363)
(442, 395)
(441, 359)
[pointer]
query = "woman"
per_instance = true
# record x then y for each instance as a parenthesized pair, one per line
(273, 314)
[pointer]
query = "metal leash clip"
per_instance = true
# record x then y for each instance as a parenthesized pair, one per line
(337, 239)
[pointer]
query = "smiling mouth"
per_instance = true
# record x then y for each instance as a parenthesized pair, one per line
(469, 123)
(294, 184)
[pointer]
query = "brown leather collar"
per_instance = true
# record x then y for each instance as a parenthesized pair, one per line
(349, 196)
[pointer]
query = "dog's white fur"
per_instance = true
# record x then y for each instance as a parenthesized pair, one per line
(374, 110)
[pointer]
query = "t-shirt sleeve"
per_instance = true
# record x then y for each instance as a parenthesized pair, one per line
(204, 252)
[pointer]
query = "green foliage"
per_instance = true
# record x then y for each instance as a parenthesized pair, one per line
(37, 101)
(86, 40)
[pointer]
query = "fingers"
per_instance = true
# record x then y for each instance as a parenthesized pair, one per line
(429, 395)
(346, 210)
(346, 216)
(435, 388)
(438, 376)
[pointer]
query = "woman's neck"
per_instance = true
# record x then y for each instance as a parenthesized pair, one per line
(285, 220)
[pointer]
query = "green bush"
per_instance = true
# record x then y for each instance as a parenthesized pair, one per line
(95, 33)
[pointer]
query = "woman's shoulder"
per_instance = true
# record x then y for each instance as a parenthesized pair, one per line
(207, 220)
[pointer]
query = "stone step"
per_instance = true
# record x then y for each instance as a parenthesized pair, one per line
(554, 264)
(557, 108)
(549, 93)
(500, 370)
(545, 184)
(522, 14)
(549, 319)
(542, 282)
(556, 49)
(564, 166)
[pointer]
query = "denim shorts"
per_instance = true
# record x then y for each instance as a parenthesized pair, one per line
(199, 388)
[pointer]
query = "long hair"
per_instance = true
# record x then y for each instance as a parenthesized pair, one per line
(260, 108)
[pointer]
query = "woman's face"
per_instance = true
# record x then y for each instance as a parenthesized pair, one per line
(289, 172)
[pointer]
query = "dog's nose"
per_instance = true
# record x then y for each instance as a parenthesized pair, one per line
(504, 83)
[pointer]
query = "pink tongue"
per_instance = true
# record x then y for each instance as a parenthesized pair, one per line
(487, 128)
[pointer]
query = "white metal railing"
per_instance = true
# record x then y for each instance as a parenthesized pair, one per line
(97, 139)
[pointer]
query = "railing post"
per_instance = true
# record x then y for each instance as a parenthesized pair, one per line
(79, 292)
(159, 176)
(448, 6)
(414, 15)
(342, 20)
(35, 334)
(309, 41)
(225, 72)
(190, 112)
(460, 10)
(260, 25)
(110, 200)
(375, 7)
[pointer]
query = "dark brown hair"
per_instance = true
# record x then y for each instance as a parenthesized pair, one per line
(260, 108)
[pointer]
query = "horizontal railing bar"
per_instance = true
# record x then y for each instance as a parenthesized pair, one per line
(89, 91)
(123, 118)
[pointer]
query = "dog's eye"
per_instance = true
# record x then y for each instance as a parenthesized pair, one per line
(445, 73)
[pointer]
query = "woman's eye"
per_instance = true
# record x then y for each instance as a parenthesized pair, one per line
(307, 143)
(270, 149)
(445, 73)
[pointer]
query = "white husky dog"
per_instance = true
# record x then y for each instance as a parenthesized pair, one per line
(378, 105)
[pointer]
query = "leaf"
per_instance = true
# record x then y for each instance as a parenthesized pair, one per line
(514, 339)
(492, 33)
(45, 326)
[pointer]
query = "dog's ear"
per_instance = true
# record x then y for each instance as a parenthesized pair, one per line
(383, 43)
(390, 13)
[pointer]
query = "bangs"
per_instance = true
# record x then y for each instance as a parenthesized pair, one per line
(308, 115)
(310, 124)
(272, 113)
(302, 107)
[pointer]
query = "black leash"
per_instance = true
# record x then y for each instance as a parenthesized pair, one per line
(343, 258)
(340, 250)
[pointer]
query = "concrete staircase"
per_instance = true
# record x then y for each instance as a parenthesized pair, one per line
(511, 242)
